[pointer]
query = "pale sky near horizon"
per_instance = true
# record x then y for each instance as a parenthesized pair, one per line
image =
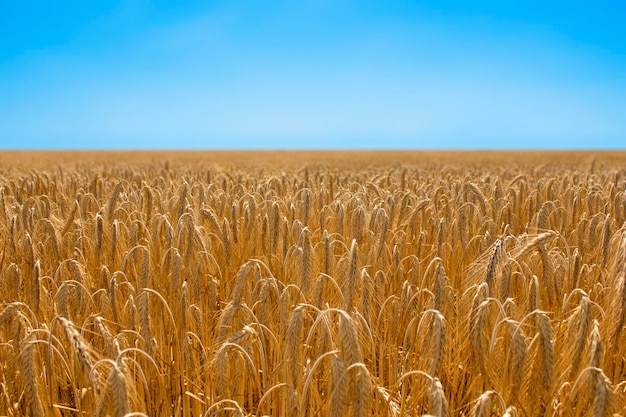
(312, 74)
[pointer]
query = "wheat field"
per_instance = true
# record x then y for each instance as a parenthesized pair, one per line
(312, 284)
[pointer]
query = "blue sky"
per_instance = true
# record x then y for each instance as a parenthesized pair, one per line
(312, 74)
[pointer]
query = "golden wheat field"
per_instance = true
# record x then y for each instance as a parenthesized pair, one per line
(312, 284)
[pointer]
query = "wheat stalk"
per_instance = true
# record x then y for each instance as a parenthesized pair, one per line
(29, 374)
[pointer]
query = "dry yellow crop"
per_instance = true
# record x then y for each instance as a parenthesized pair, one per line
(313, 284)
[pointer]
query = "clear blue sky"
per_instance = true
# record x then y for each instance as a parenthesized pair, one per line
(312, 74)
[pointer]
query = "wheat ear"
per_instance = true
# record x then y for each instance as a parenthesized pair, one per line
(27, 368)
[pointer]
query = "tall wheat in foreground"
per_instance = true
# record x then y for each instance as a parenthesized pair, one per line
(313, 284)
